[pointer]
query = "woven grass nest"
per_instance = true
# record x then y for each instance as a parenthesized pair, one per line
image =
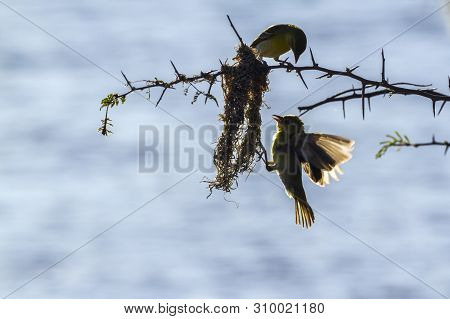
(239, 146)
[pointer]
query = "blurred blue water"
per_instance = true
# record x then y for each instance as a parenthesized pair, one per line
(61, 183)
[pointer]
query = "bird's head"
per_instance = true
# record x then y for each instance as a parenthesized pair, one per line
(290, 124)
(298, 41)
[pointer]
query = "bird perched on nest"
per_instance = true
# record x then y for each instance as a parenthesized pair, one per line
(319, 154)
(279, 39)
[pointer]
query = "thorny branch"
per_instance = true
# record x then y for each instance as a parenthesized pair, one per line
(369, 88)
(399, 141)
(244, 82)
(376, 88)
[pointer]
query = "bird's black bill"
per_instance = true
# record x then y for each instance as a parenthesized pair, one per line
(277, 118)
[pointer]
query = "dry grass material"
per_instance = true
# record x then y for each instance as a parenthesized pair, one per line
(239, 146)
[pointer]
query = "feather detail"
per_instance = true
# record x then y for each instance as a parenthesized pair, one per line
(321, 155)
(303, 214)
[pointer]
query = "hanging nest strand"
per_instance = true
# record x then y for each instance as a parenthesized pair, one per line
(239, 146)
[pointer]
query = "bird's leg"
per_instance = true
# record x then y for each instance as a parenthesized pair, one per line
(270, 165)
(284, 63)
(281, 61)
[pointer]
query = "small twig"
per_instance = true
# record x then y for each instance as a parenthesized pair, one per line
(398, 140)
(106, 122)
(126, 79)
(178, 74)
(343, 108)
(235, 31)
(341, 97)
(383, 67)
(208, 94)
(363, 99)
(352, 69)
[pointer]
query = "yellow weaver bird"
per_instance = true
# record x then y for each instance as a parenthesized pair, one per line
(279, 39)
(318, 154)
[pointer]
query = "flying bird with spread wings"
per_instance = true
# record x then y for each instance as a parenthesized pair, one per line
(318, 154)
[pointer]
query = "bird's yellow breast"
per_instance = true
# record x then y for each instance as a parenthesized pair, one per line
(274, 46)
(283, 153)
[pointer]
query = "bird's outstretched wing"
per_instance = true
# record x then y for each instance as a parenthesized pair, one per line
(268, 33)
(321, 155)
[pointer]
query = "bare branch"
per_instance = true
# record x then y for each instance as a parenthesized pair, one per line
(234, 29)
(379, 87)
(344, 96)
(369, 88)
(244, 81)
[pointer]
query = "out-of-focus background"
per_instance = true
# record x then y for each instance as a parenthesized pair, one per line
(61, 183)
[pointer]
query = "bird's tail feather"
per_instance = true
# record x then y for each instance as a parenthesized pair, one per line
(303, 213)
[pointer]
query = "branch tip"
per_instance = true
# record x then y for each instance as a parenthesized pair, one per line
(383, 67)
(363, 98)
(235, 31)
(126, 79)
(178, 74)
(343, 108)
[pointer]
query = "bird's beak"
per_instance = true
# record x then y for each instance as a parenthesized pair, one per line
(277, 118)
(296, 56)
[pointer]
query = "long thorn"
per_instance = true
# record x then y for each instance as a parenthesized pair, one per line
(343, 108)
(126, 79)
(234, 29)
(442, 106)
(303, 80)
(175, 69)
(312, 57)
(363, 100)
(161, 96)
